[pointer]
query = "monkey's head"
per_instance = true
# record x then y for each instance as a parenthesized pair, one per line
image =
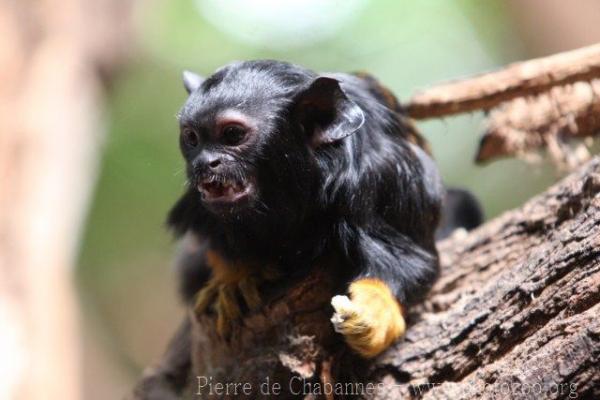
(250, 135)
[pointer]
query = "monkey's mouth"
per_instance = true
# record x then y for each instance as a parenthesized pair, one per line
(216, 189)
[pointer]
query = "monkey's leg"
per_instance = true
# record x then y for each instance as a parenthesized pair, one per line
(392, 272)
(169, 377)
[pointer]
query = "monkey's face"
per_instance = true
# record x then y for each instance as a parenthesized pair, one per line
(249, 136)
(219, 146)
(241, 157)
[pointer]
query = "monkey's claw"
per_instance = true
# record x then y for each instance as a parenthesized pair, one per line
(344, 309)
(370, 320)
(227, 300)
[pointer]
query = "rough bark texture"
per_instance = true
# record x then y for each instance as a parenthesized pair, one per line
(525, 78)
(522, 126)
(537, 104)
(290, 337)
(518, 302)
(514, 315)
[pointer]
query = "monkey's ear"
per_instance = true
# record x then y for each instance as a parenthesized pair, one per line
(326, 113)
(191, 81)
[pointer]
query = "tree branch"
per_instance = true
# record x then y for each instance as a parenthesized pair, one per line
(522, 126)
(520, 79)
(517, 302)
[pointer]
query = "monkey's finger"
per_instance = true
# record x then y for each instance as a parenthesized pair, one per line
(228, 310)
(249, 291)
(343, 306)
(205, 298)
(228, 303)
(344, 310)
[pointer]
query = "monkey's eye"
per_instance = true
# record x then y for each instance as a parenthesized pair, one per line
(233, 134)
(190, 137)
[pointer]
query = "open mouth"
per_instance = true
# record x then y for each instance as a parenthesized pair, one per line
(222, 190)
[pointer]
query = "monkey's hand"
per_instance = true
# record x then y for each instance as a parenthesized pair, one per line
(229, 298)
(370, 319)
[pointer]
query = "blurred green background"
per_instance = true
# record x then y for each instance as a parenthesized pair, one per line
(129, 303)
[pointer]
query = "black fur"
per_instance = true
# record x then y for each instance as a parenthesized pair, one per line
(334, 172)
(335, 177)
(460, 210)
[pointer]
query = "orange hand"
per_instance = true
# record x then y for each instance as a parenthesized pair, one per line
(371, 319)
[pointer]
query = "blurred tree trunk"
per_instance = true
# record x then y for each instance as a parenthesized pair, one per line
(55, 58)
(551, 26)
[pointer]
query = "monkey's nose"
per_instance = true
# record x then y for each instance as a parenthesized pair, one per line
(209, 161)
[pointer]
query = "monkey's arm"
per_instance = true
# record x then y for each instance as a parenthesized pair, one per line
(167, 379)
(392, 272)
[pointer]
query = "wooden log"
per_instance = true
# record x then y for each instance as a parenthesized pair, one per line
(516, 307)
(55, 57)
(514, 315)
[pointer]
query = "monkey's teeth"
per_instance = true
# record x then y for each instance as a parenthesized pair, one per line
(217, 187)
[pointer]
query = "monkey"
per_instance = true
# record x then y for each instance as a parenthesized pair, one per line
(286, 166)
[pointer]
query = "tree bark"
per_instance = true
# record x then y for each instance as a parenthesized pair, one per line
(523, 126)
(514, 315)
(535, 104)
(517, 302)
(488, 90)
